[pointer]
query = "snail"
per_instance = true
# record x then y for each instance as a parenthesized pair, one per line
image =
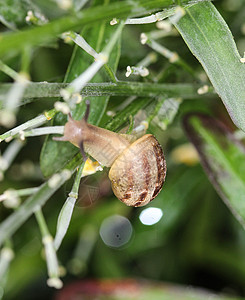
(137, 166)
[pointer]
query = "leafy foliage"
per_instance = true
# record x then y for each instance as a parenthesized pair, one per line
(197, 240)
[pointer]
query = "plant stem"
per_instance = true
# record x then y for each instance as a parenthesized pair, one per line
(38, 121)
(7, 70)
(42, 34)
(9, 155)
(26, 60)
(67, 210)
(9, 226)
(18, 193)
(101, 59)
(6, 255)
(121, 88)
(41, 222)
(44, 131)
(173, 57)
(51, 257)
(167, 12)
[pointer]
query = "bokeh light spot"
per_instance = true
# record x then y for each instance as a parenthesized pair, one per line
(151, 215)
(116, 231)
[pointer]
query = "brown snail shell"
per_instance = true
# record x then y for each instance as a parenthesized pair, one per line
(138, 174)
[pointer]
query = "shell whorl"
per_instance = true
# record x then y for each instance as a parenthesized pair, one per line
(138, 174)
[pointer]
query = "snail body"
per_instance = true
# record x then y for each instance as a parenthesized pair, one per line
(138, 167)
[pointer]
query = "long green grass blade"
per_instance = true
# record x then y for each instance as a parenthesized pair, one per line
(223, 158)
(210, 40)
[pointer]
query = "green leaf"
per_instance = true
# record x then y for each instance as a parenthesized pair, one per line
(54, 154)
(124, 115)
(210, 40)
(223, 158)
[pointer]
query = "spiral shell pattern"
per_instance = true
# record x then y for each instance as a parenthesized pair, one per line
(138, 174)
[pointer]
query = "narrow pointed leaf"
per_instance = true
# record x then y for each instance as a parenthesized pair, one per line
(223, 158)
(210, 40)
